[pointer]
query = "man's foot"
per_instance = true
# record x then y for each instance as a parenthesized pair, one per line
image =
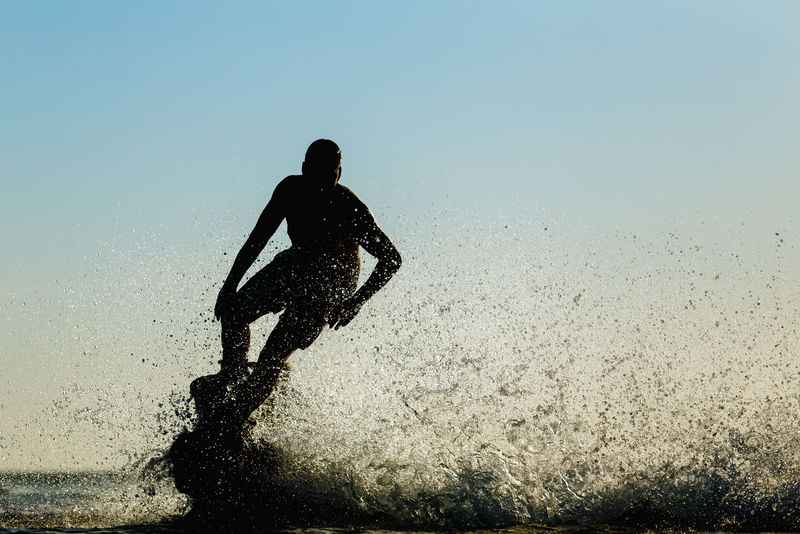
(233, 372)
(212, 393)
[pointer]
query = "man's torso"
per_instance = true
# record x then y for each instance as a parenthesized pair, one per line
(324, 226)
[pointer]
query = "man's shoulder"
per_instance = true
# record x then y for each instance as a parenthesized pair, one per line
(346, 195)
(289, 186)
(352, 206)
(293, 181)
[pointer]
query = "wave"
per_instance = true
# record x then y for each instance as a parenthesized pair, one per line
(742, 486)
(267, 486)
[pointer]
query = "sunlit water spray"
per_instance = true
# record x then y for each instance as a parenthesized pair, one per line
(531, 374)
(523, 372)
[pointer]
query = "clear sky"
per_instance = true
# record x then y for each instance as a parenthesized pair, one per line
(152, 133)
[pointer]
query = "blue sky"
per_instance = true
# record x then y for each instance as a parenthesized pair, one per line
(146, 104)
(145, 126)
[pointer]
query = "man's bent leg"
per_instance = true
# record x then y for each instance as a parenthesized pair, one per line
(235, 343)
(265, 292)
(291, 333)
(210, 391)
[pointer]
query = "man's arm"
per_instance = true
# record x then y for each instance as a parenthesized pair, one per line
(265, 227)
(377, 243)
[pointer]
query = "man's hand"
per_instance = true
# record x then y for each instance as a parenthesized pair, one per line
(344, 313)
(224, 301)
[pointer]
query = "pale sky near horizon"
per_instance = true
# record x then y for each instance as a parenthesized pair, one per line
(149, 126)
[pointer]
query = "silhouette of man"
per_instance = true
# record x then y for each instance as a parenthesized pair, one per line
(313, 282)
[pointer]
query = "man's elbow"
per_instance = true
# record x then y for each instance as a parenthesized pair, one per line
(394, 260)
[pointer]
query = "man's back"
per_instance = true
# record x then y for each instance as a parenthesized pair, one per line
(312, 284)
(322, 221)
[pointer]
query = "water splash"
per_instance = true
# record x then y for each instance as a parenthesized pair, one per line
(512, 373)
(648, 377)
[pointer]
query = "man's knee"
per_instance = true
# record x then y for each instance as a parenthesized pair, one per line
(304, 331)
(233, 317)
(249, 306)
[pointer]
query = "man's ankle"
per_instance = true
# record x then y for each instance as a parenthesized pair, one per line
(233, 370)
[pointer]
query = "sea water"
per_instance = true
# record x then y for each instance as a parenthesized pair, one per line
(37, 501)
(525, 374)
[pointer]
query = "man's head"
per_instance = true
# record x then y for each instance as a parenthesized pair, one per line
(323, 163)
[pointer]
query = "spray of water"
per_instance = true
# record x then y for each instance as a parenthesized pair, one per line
(521, 372)
(528, 374)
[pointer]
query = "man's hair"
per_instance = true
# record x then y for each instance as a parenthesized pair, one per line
(323, 154)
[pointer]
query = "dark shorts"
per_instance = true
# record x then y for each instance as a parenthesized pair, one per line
(306, 291)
